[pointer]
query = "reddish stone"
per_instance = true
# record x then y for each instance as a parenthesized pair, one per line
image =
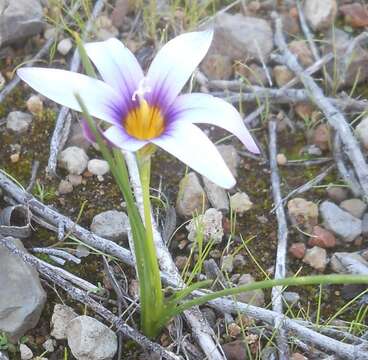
(297, 250)
(356, 15)
(322, 238)
(322, 136)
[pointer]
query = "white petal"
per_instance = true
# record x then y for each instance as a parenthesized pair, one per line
(207, 109)
(175, 62)
(61, 86)
(116, 64)
(122, 140)
(191, 146)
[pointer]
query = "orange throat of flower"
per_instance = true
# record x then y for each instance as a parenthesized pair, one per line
(144, 122)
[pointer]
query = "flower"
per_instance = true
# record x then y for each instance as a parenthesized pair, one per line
(147, 108)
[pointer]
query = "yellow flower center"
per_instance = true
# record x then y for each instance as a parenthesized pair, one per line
(144, 122)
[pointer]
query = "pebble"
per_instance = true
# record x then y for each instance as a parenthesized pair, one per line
(235, 350)
(98, 167)
(291, 297)
(297, 250)
(356, 15)
(361, 132)
(18, 122)
(34, 104)
(348, 263)
(216, 195)
(91, 339)
(322, 238)
(49, 345)
(2, 81)
(240, 202)
(303, 212)
(60, 319)
(25, 352)
(65, 187)
(281, 159)
(340, 222)
(253, 297)
(282, 75)
(316, 257)
(297, 356)
(74, 160)
(355, 207)
(337, 193)
(181, 262)
(320, 14)
(14, 158)
(111, 224)
(254, 73)
(64, 46)
(217, 67)
(302, 51)
(234, 330)
(239, 261)
(210, 223)
(191, 197)
(322, 136)
(75, 180)
(227, 263)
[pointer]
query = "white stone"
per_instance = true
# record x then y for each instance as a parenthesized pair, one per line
(320, 14)
(60, 319)
(316, 257)
(18, 121)
(25, 352)
(34, 104)
(64, 46)
(74, 160)
(111, 224)
(89, 339)
(98, 167)
(240, 202)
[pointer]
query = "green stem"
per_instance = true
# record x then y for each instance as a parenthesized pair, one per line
(153, 306)
(265, 284)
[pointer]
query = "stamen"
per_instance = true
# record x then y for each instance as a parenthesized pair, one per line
(143, 88)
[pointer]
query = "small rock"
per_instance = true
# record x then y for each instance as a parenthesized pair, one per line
(18, 121)
(290, 23)
(98, 167)
(75, 180)
(355, 207)
(291, 297)
(217, 196)
(60, 320)
(50, 32)
(340, 222)
(304, 110)
(210, 223)
(320, 14)
(234, 330)
(242, 37)
(181, 262)
(301, 50)
(240, 202)
(231, 157)
(316, 257)
(253, 73)
(282, 75)
(253, 297)
(298, 356)
(65, 187)
(239, 261)
(14, 158)
(227, 263)
(111, 224)
(25, 352)
(34, 104)
(322, 238)
(2, 81)
(347, 263)
(89, 339)
(313, 150)
(337, 193)
(49, 345)
(356, 15)
(74, 160)
(303, 212)
(217, 67)
(322, 136)
(297, 250)
(361, 132)
(281, 159)
(64, 46)
(235, 350)
(191, 196)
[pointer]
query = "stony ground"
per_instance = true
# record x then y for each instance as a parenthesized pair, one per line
(314, 142)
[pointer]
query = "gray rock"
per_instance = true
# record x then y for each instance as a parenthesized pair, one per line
(355, 207)
(361, 132)
(74, 160)
(254, 297)
(340, 222)
(19, 19)
(89, 339)
(60, 320)
(64, 46)
(210, 223)
(21, 295)
(98, 167)
(320, 14)
(242, 37)
(65, 187)
(49, 345)
(18, 121)
(227, 263)
(337, 193)
(239, 261)
(240, 202)
(111, 224)
(191, 196)
(291, 297)
(349, 263)
(231, 157)
(25, 352)
(217, 196)
(316, 257)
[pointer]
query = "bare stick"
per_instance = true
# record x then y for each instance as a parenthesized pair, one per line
(282, 235)
(84, 298)
(32, 180)
(57, 252)
(335, 118)
(63, 121)
(200, 328)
